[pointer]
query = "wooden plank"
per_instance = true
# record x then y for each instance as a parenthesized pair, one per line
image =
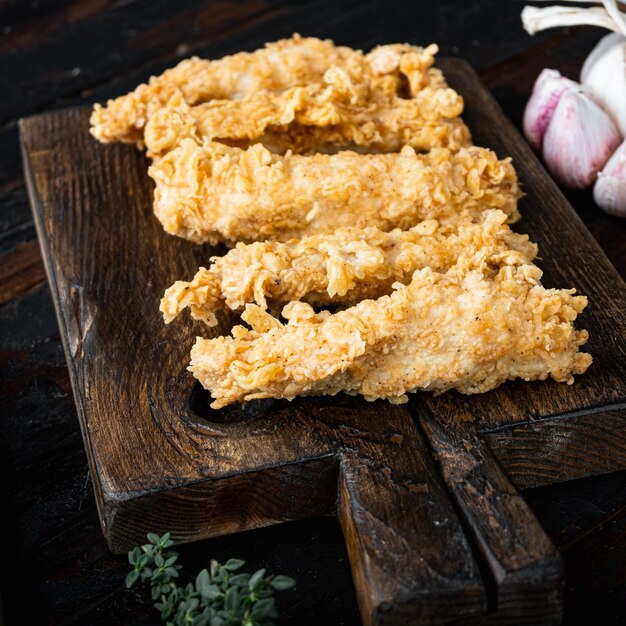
(21, 271)
(565, 448)
(396, 518)
(160, 29)
(524, 568)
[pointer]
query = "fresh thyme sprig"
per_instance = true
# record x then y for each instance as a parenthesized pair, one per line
(219, 596)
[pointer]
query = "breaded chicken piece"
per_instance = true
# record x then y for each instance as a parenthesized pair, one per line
(343, 267)
(471, 329)
(277, 66)
(341, 112)
(214, 193)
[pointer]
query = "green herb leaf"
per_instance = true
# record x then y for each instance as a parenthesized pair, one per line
(201, 620)
(214, 592)
(264, 609)
(203, 582)
(256, 578)
(241, 580)
(234, 564)
(282, 583)
(131, 579)
(218, 598)
(134, 555)
(231, 599)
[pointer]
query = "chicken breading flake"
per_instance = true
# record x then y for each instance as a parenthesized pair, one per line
(342, 268)
(279, 65)
(214, 193)
(470, 329)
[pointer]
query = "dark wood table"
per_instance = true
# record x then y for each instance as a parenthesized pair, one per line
(56, 567)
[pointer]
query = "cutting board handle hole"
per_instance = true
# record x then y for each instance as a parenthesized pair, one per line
(200, 400)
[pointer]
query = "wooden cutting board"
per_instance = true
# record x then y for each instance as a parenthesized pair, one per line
(435, 529)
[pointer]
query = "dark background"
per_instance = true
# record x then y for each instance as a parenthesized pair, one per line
(55, 566)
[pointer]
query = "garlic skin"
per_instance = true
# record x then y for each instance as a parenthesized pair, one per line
(548, 89)
(579, 139)
(604, 76)
(609, 192)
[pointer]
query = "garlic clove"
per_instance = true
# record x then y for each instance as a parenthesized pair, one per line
(548, 89)
(579, 140)
(604, 76)
(609, 192)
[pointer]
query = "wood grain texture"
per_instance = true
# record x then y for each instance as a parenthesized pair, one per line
(523, 565)
(555, 450)
(159, 465)
(396, 517)
(21, 271)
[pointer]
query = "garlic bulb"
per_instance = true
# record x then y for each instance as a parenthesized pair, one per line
(604, 76)
(609, 192)
(546, 94)
(579, 139)
(578, 135)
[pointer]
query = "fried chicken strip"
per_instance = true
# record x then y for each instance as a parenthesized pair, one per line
(341, 112)
(342, 268)
(279, 65)
(214, 193)
(471, 329)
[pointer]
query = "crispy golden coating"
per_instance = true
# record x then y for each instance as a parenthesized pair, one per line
(217, 193)
(470, 329)
(279, 65)
(343, 267)
(310, 150)
(341, 112)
